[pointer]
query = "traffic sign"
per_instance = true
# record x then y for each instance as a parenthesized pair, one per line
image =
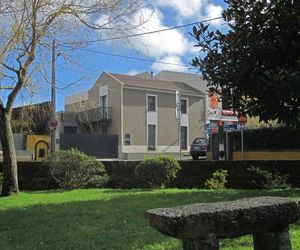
(178, 106)
(53, 123)
(232, 127)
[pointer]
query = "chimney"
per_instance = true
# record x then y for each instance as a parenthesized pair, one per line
(151, 74)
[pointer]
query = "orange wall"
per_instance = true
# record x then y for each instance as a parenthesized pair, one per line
(37, 143)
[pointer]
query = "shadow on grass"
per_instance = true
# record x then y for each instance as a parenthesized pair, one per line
(113, 222)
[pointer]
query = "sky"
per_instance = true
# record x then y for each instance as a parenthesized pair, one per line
(175, 46)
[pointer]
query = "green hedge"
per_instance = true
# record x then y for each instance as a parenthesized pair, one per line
(193, 174)
(281, 138)
(34, 176)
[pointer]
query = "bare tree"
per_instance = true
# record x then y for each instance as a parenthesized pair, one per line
(26, 29)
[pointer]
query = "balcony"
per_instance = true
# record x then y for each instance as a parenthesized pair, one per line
(95, 115)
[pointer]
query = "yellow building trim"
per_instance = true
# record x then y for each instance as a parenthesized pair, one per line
(267, 155)
(39, 144)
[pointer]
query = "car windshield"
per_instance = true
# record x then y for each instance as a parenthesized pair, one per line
(200, 141)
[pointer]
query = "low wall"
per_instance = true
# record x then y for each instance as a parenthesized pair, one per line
(34, 175)
(193, 174)
(267, 155)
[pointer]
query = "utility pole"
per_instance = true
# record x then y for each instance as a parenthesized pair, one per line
(53, 101)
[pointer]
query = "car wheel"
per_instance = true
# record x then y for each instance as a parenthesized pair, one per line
(195, 157)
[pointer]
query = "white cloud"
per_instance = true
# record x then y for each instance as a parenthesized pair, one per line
(133, 72)
(170, 59)
(185, 8)
(171, 45)
(213, 11)
(156, 45)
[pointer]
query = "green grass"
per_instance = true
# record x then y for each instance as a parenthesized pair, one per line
(106, 219)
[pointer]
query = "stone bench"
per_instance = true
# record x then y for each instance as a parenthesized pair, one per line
(201, 225)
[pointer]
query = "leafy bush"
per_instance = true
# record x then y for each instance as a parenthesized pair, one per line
(278, 138)
(218, 180)
(269, 180)
(74, 169)
(157, 172)
(1, 181)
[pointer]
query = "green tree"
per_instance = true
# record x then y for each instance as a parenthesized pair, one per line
(27, 28)
(256, 63)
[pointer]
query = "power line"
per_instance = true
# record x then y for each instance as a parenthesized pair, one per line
(131, 57)
(137, 35)
(155, 31)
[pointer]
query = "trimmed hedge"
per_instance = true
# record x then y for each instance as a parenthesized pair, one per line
(281, 138)
(193, 174)
(156, 172)
(34, 176)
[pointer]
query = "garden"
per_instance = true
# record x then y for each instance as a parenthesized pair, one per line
(107, 218)
(84, 214)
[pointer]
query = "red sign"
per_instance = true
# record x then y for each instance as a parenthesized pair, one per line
(242, 119)
(228, 113)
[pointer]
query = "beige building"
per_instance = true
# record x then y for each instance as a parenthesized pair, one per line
(140, 110)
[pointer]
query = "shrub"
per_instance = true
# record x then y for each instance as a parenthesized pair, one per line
(218, 180)
(278, 138)
(269, 180)
(157, 172)
(1, 181)
(74, 169)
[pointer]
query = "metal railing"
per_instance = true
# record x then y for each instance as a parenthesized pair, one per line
(95, 114)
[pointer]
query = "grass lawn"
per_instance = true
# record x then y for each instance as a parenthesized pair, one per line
(106, 219)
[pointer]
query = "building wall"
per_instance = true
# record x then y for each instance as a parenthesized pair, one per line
(134, 113)
(19, 141)
(167, 123)
(266, 155)
(135, 120)
(36, 143)
(196, 118)
(114, 96)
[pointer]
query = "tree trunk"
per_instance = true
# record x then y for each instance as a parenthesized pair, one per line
(10, 171)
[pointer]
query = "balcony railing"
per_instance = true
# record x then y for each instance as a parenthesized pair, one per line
(95, 114)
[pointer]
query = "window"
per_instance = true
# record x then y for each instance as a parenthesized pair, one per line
(151, 137)
(151, 103)
(103, 101)
(183, 137)
(183, 106)
(127, 139)
(70, 130)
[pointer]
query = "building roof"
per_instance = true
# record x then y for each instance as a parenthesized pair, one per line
(194, 80)
(154, 83)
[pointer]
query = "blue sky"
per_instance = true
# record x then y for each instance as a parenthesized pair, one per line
(174, 46)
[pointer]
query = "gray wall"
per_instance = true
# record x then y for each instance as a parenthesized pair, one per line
(19, 142)
(99, 146)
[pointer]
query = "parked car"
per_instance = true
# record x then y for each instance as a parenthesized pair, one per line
(198, 148)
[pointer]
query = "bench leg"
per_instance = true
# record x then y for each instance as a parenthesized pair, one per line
(211, 243)
(279, 240)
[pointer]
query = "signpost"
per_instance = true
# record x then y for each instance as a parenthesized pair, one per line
(242, 120)
(178, 117)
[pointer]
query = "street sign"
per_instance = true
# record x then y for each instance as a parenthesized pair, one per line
(178, 106)
(232, 127)
(53, 123)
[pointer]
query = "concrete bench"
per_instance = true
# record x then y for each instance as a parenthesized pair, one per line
(201, 225)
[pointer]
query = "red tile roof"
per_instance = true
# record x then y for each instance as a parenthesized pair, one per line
(154, 83)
